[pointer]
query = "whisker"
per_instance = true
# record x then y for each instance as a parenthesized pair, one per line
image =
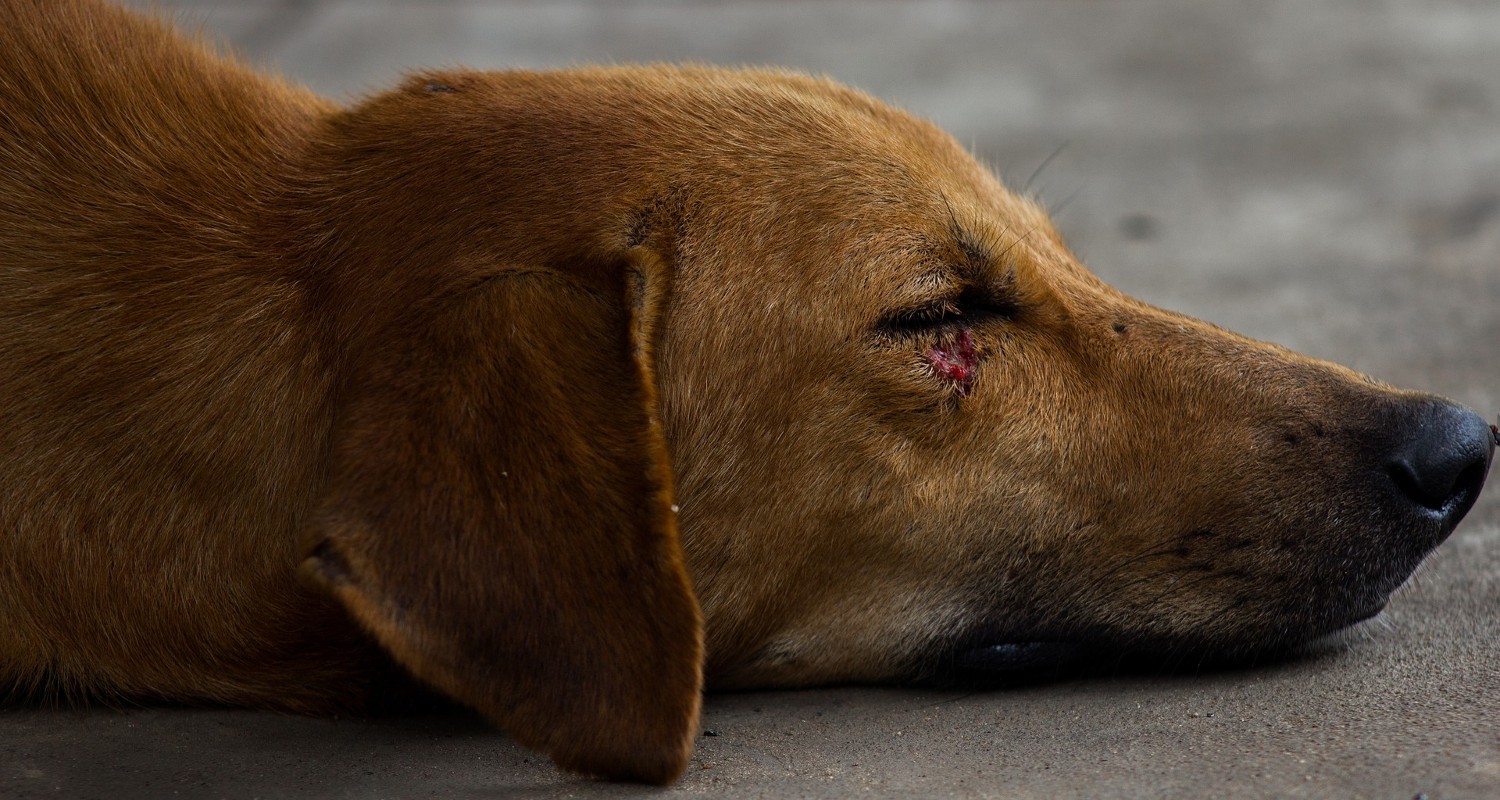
(1018, 240)
(1026, 187)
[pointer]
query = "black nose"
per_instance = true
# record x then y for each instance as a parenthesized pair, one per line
(1441, 463)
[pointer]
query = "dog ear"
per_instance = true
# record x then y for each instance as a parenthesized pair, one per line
(500, 516)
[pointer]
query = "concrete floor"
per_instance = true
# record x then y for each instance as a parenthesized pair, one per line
(1322, 174)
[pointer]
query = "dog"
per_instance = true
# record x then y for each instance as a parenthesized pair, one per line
(555, 393)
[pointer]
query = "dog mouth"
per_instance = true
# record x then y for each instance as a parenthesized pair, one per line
(1282, 615)
(979, 662)
(1015, 664)
(1022, 659)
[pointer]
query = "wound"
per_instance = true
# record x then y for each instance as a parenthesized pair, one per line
(441, 88)
(955, 360)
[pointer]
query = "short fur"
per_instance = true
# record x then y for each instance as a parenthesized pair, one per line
(297, 399)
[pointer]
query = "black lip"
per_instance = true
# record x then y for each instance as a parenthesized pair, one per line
(1010, 663)
(1368, 612)
(1019, 663)
(1019, 657)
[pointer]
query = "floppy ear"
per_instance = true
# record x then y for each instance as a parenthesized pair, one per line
(500, 516)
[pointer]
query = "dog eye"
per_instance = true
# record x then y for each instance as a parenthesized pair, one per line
(924, 317)
(970, 307)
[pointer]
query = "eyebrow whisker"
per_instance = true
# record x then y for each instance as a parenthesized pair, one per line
(1026, 187)
(1018, 240)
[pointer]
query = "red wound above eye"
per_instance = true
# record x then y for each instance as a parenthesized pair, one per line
(954, 359)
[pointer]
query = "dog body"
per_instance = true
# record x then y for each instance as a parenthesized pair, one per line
(292, 395)
(121, 292)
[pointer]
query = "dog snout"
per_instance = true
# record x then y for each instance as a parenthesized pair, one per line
(1439, 460)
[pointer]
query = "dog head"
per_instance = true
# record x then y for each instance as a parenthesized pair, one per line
(894, 420)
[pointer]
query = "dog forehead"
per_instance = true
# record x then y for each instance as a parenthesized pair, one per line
(737, 137)
(751, 122)
(865, 227)
(801, 178)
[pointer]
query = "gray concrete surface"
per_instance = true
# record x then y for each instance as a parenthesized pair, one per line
(1325, 174)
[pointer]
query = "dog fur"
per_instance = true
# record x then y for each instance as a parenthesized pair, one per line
(558, 391)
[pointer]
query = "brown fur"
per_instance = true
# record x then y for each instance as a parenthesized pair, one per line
(288, 389)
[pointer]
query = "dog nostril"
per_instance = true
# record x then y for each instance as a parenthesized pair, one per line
(1434, 494)
(1443, 464)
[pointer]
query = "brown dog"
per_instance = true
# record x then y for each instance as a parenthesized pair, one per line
(297, 399)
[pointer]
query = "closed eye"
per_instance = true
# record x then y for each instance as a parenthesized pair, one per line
(968, 307)
(927, 316)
